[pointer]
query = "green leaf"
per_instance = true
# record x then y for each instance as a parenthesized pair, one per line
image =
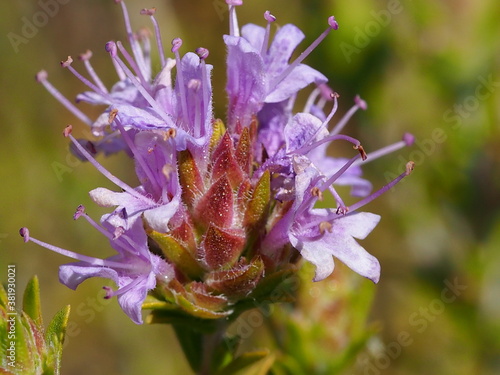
(259, 203)
(176, 253)
(36, 352)
(57, 327)
(31, 301)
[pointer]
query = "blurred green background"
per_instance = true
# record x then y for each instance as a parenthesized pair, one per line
(428, 67)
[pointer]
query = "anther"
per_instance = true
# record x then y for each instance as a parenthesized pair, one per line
(234, 2)
(66, 62)
(194, 84)
(316, 192)
(41, 76)
(170, 133)
(112, 116)
(25, 234)
(167, 170)
(80, 210)
(269, 17)
(408, 139)
(85, 56)
(202, 53)
(109, 291)
(360, 103)
(118, 232)
(67, 130)
(410, 166)
(333, 23)
(325, 226)
(176, 44)
(111, 48)
(361, 151)
(342, 210)
(148, 12)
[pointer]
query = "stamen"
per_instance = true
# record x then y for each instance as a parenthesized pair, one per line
(134, 44)
(137, 155)
(176, 44)
(132, 63)
(409, 168)
(110, 293)
(332, 25)
(85, 57)
(341, 207)
(86, 82)
(41, 77)
(337, 174)
(358, 104)
(203, 53)
(308, 147)
(102, 170)
(124, 241)
(407, 140)
(24, 232)
(265, 44)
(234, 29)
(111, 48)
(311, 99)
(151, 12)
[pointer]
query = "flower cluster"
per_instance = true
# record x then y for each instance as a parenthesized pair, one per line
(220, 206)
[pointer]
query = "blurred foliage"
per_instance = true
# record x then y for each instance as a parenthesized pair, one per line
(27, 348)
(428, 67)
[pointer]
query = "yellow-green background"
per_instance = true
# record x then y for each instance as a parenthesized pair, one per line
(443, 223)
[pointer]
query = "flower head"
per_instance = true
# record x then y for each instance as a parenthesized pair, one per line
(225, 205)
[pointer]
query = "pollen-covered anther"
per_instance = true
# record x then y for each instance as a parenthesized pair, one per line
(234, 2)
(80, 210)
(25, 234)
(361, 151)
(269, 17)
(410, 166)
(333, 23)
(325, 226)
(334, 95)
(148, 12)
(112, 116)
(68, 130)
(85, 56)
(316, 192)
(67, 62)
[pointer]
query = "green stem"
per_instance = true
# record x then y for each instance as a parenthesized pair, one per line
(204, 352)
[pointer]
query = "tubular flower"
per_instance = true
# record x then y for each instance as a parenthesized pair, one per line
(221, 209)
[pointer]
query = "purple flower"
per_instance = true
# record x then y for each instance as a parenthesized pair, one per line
(134, 269)
(258, 74)
(223, 207)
